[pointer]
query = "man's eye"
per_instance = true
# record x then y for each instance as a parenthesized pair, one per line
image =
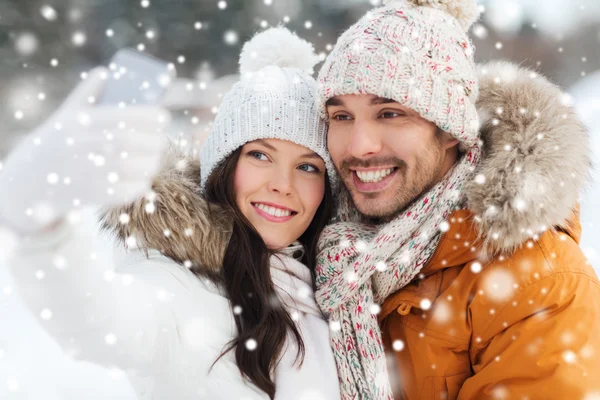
(390, 114)
(342, 117)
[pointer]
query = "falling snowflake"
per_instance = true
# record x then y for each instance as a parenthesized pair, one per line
(476, 267)
(46, 314)
(79, 39)
(26, 44)
(150, 208)
(569, 357)
(49, 13)
(251, 344)
(335, 326)
(131, 242)
(444, 226)
(59, 262)
(110, 339)
(398, 345)
(231, 37)
(442, 312)
(109, 275)
(124, 218)
(374, 309)
(499, 285)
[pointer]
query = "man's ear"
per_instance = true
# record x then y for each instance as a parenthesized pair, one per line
(448, 141)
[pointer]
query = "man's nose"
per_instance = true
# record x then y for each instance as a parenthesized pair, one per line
(364, 141)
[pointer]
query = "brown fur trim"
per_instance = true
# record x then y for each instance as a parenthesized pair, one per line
(536, 157)
(182, 226)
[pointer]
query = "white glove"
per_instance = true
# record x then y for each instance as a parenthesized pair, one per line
(84, 154)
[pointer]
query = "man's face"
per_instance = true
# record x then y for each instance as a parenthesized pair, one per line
(386, 154)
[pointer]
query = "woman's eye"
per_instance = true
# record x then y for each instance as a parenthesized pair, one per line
(258, 155)
(390, 114)
(308, 168)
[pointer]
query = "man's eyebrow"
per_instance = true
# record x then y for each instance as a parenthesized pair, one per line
(381, 100)
(334, 101)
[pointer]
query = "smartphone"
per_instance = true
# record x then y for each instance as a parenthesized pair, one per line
(136, 79)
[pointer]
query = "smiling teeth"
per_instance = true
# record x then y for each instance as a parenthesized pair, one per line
(276, 212)
(373, 176)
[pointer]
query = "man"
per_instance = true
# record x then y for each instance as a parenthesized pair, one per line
(457, 247)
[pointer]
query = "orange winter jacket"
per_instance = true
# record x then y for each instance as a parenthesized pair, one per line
(525, 326)
(506, 308)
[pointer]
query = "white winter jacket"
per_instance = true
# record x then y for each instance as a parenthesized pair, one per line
(163, 325)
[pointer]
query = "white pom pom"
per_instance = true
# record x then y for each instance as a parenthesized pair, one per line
(465, 11)
(279, 47)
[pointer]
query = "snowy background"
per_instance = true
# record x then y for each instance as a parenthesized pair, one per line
(45, 45)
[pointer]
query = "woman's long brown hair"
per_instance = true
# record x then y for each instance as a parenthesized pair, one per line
(247, 281)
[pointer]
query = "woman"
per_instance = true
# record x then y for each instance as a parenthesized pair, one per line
(213, 297)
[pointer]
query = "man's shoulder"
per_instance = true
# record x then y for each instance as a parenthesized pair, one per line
(541, 274)
(553, 254)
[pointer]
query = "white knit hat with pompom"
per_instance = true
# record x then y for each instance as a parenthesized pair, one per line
(416, 52)
(274, 99)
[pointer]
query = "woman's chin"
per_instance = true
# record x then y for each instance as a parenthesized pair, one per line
(276, 243)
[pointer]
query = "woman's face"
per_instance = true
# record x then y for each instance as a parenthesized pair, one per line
(279, 186)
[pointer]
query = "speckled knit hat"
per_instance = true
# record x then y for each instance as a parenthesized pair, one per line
(274, 99)
(416, 52)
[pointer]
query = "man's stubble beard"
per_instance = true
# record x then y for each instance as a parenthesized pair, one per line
(422, 178)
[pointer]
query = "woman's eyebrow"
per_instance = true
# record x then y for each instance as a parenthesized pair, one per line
(310, 155)
(263, 142)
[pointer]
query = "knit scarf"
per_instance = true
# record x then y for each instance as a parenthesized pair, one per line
(360, 265)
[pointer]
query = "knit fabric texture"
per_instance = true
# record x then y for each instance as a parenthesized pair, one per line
(417, 53)
(272, 103)
(419, 56)
(360, 265)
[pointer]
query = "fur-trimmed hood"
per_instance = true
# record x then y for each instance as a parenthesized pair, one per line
(174, 218)
(536, 162)
(536, 157)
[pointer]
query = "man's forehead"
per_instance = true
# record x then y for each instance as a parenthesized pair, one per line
(369, 99)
